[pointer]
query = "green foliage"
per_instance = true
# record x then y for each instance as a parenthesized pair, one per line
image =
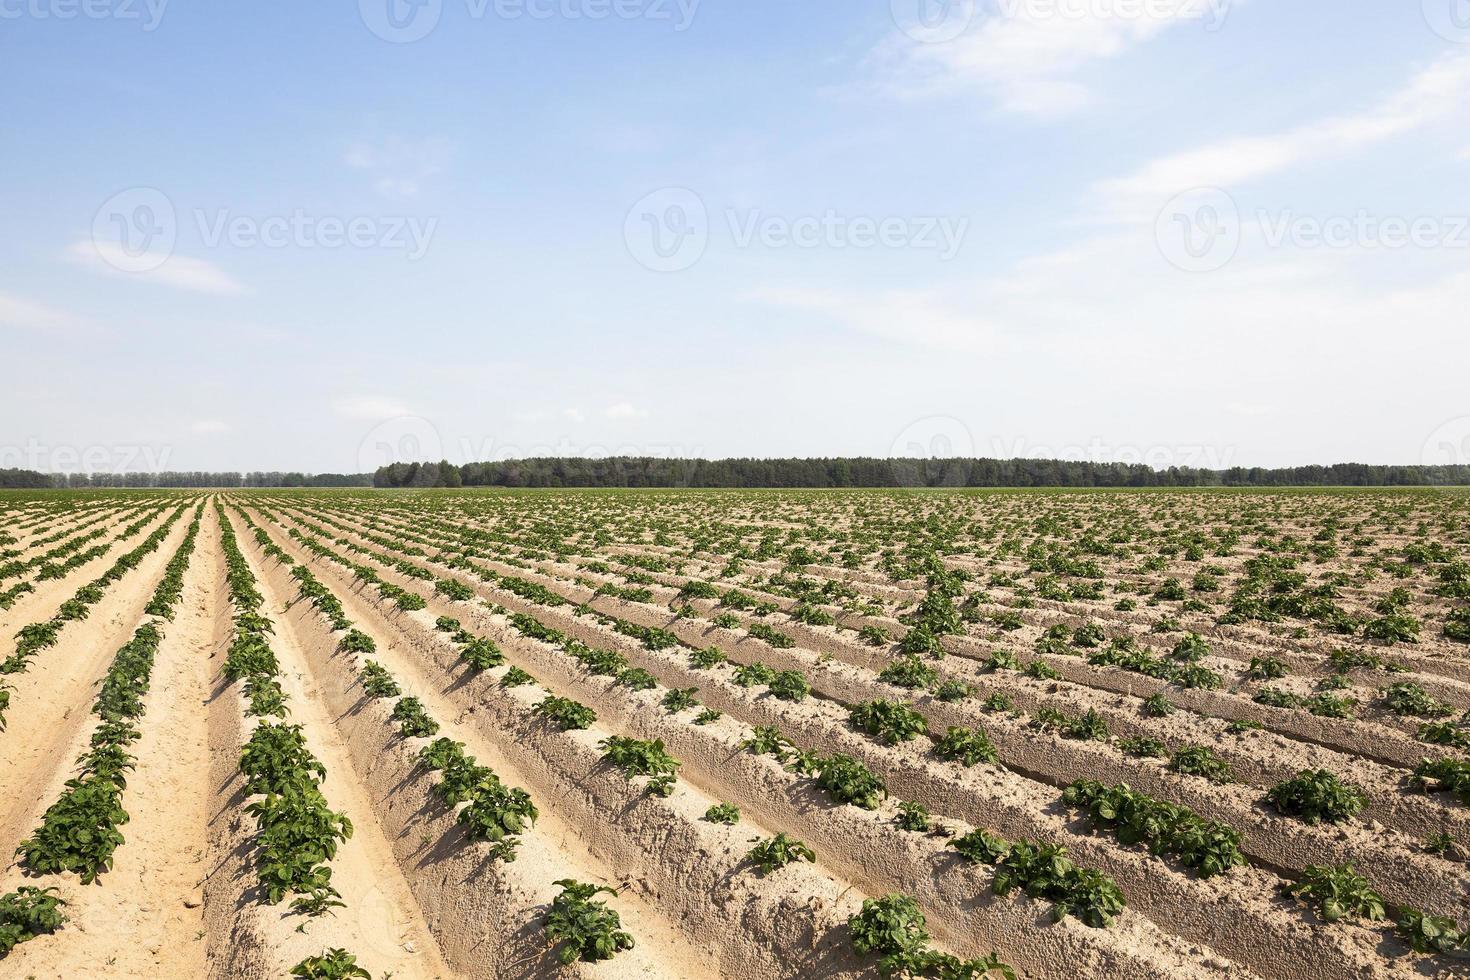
(515, 677)
(1430, 933)
(1143, 747)
(334, 964)
(26, 913)
(913, 817)
(1411, 699)
(377, 682)
(847, 780)
(637, 758)
(982, 847)
(966, 746)
(1158, 706)
(1443, 776)
(777, 852)
(585, 928)
(908, 672)
(566, 714)
(1210, 847)
(1201, 760)
(893, 929)
(789, 685)
(725, 813)
(1315, 796)
(891, 722)
(1045, 871)
(1338, 891)
(413, 720)
(1266, 669)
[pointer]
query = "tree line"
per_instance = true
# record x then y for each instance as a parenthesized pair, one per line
(852, 472)
(647, 471)
(31, 480)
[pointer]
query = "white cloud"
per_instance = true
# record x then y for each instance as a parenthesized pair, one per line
(209, 427)
(399, 166)
(924, 317)
(1433, 94)
(24, 314)
(624, 410)
(370, 407)
(1024, 54)
(533, 415)
(573, 415)
(175, 271)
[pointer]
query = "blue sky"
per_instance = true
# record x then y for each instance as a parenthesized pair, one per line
(1179, 231)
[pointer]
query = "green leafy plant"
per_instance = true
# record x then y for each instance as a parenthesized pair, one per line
(1316, 795)
(967, 746)
(725, 813)
(585, 928)
(566, 714)
(913, 817)
(334, 964)
(1338, 891)
(777, 852)
(891, 722)
(1200, 760)
(29, 912)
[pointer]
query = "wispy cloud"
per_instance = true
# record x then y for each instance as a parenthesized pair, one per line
(209, 427)
(917, 316)
(399, 167)
(24, 314)
(1024, 54)
(1434, 94)
(370, 407)
(175, 271)
(623, 411)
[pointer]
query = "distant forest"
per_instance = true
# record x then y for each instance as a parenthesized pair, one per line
(31, 480)
(645, 471)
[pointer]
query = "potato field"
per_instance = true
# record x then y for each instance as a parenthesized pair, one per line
(689, 734)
